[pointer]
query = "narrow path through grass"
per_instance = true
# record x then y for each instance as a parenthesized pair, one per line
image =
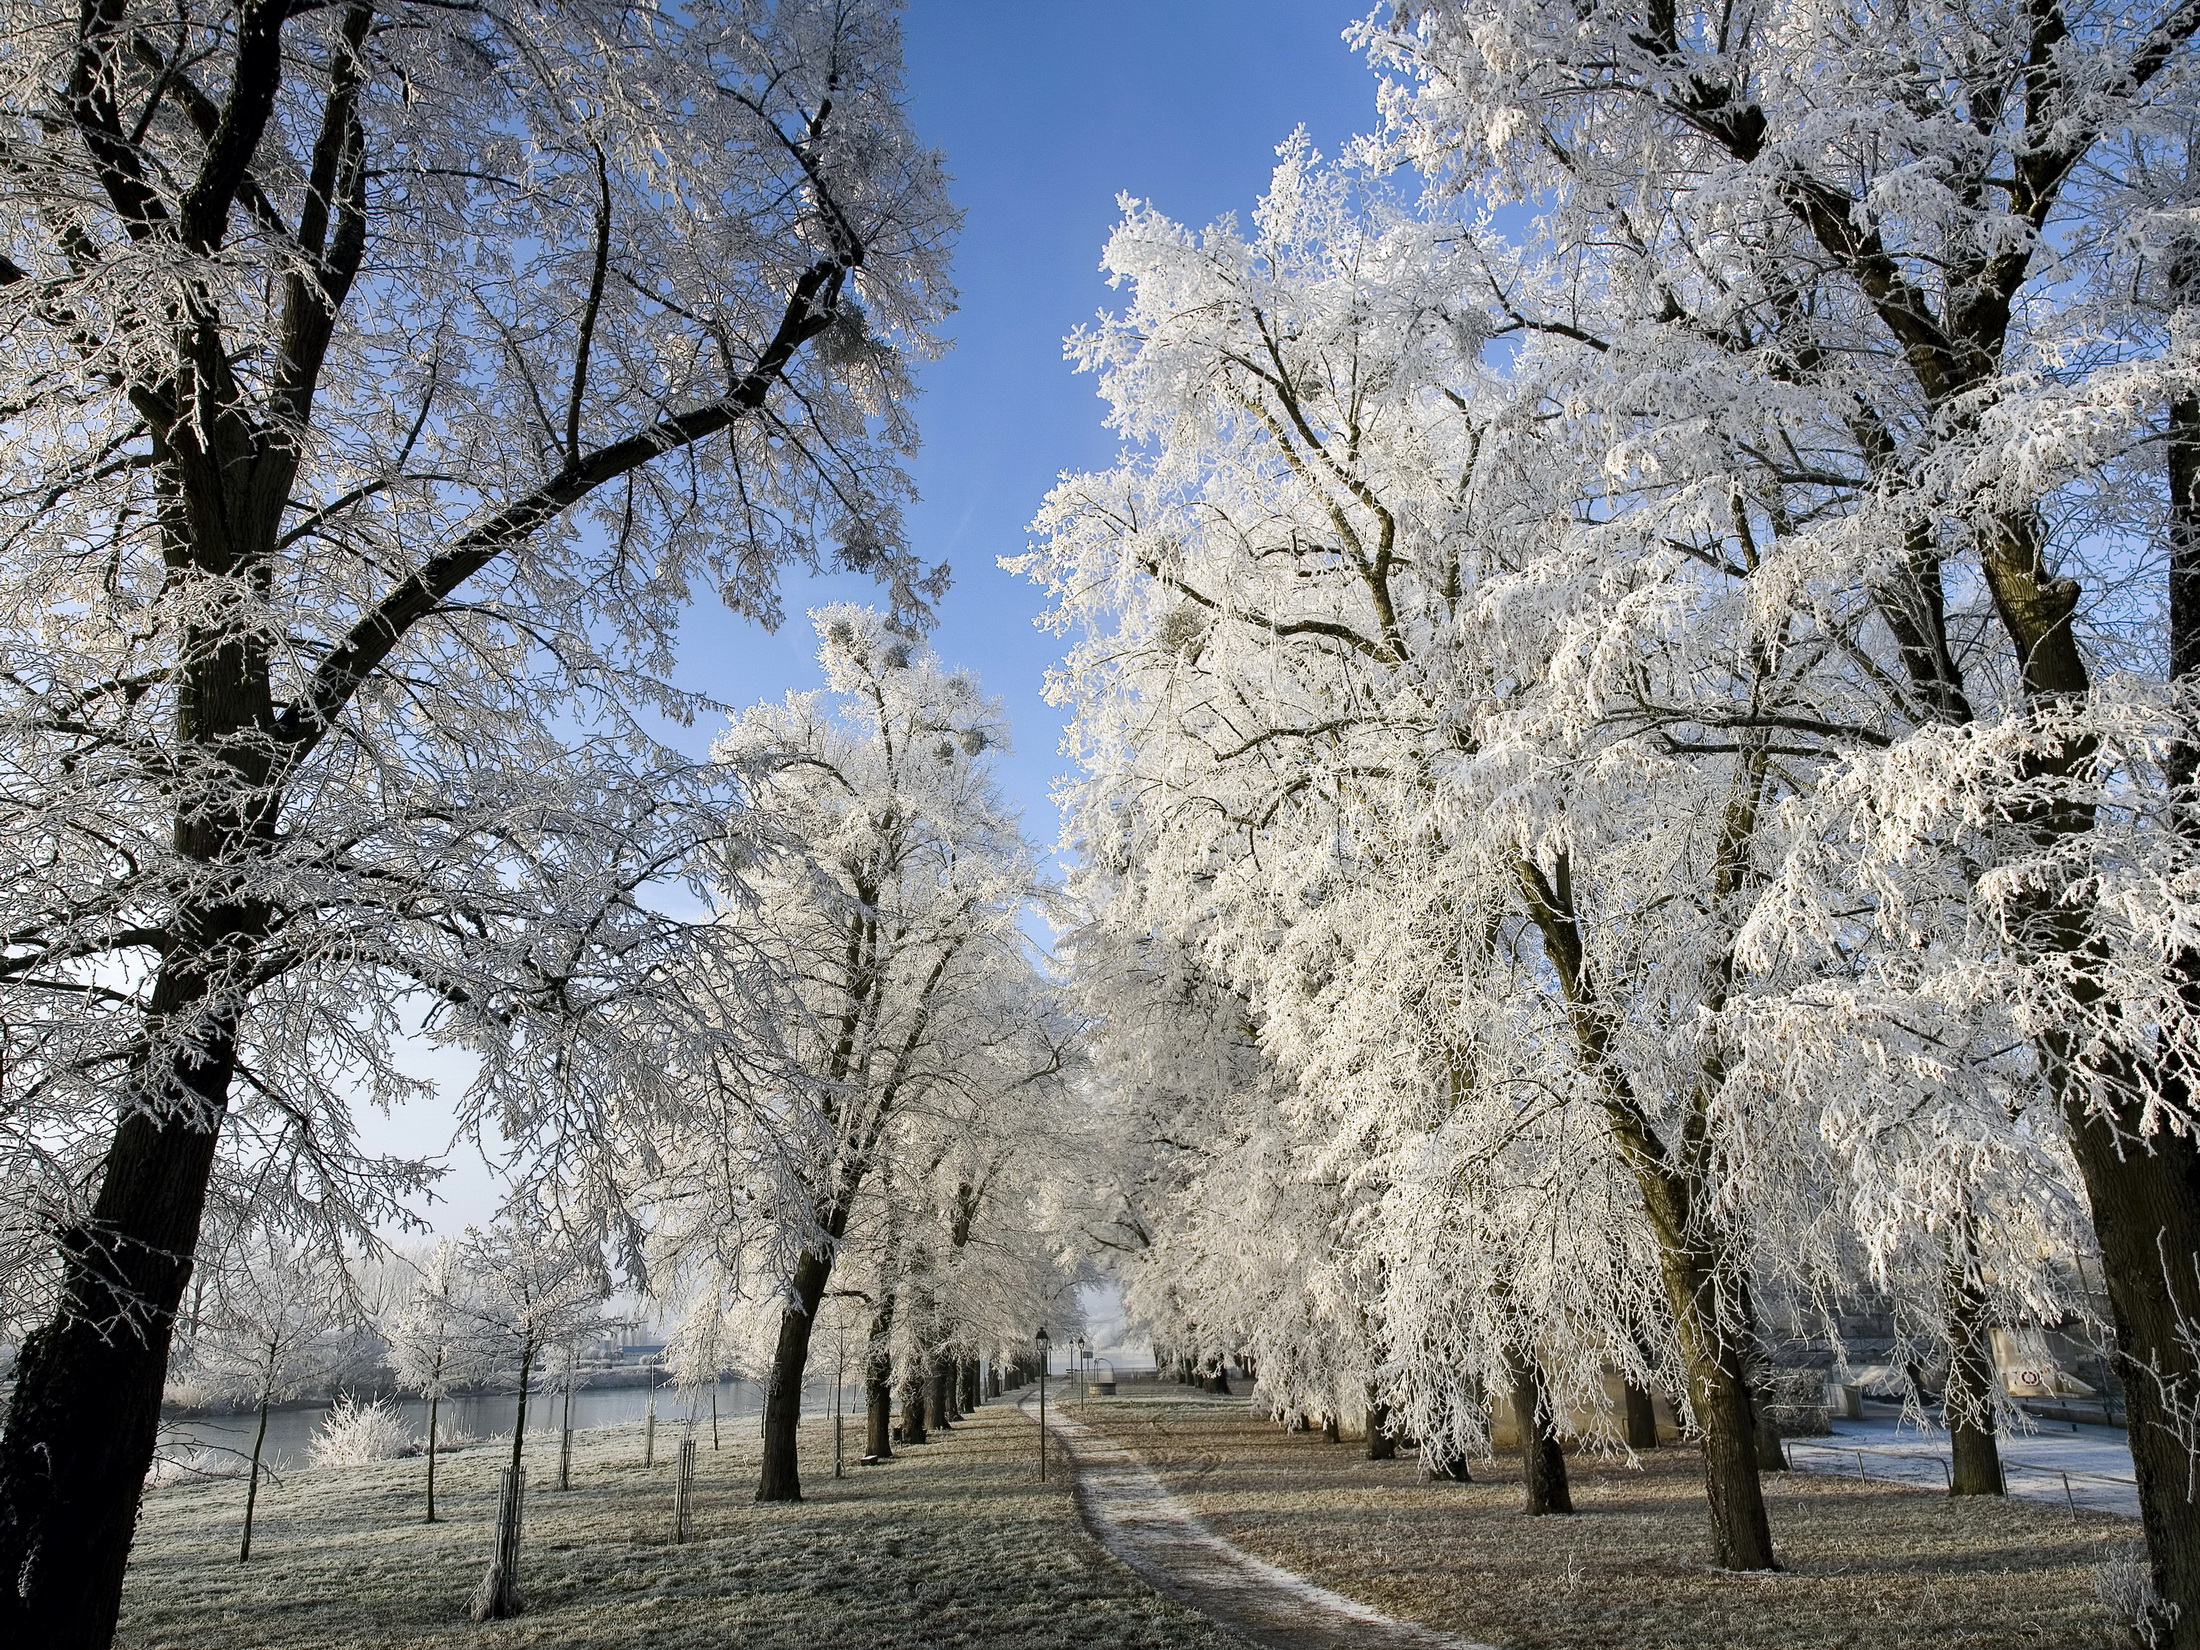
(1878, 1564)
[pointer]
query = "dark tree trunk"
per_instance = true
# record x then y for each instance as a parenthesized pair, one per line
(1451, 1469)
(1713, 1338)
(878, 1383)
(912, 1409)
(1330, 1432)
(252, 1484)
(992, 1378)
(973, 1394)
(85, 1412)
(2146, 1205)
(878, 1417)
(780, 1478)
(1642, 1418)
(1542, 1462)
(1718, 1391)
(1381, 1446)
(434, 1400)
(519, 1421)
(1771, 1449)
(1968, 1404)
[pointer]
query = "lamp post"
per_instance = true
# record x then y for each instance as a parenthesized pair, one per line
(1040, 1340)
(1080, 1370)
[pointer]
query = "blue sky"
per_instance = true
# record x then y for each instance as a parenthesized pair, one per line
(1047, 110)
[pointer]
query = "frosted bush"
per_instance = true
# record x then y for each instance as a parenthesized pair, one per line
(2125, 1584)
(352, 1434)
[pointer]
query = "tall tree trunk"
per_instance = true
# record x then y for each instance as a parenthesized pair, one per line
(252, 1483)
(878, 1383)
(780, 1478)
(85, 1413)
(1967, 1406)
(1542, 1462)
(2146, 1213)
(1642, 1417)
(912, 1407)
(519, 1420)
(943, 1393)
(1713, 1334)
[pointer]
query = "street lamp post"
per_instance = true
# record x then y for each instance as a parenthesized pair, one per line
(1040, 1340)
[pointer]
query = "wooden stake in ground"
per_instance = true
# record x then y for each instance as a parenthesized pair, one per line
(498, 1595)
(565, 1436)
(682, 1489)
(649, 1434)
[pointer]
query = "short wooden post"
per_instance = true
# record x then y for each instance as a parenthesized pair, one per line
(649, 1434)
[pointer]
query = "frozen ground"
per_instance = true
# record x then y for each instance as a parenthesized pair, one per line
(1873, 1563)
(954, 1544)
(2063, 1462)
(1132, 1514)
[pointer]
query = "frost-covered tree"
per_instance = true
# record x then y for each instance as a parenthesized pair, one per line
(378, 382)
(1965, 235)
(536, 1290)
(1353, 618)
(271, 1328)
(914, 1018)
(438, 1342)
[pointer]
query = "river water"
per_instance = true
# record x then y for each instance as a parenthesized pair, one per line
(290, 1431)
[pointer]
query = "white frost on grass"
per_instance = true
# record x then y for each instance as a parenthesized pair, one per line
(952, 1544)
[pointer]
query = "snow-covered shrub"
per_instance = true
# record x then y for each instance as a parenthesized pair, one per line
(352, 1434)
(2124, 1582)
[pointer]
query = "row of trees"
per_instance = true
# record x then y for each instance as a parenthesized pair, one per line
(882, 1156)
(268, 1321)
(378, 380)
(1637, 721)
(908, 1144)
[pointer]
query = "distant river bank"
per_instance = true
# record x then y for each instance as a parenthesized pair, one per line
(290, 1430)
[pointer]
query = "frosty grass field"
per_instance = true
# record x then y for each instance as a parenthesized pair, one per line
(958, 1544)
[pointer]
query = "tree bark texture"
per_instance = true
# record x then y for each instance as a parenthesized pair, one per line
(1381, 1444)
(1542, 1462)
(1967, 1406)
(85, 1412)
(780, 1478)
(912, 1409)
(1642, 1418)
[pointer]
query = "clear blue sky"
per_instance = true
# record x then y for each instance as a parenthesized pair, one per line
(1047, 110)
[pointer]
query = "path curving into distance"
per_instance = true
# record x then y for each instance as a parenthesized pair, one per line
(1131, 1513)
